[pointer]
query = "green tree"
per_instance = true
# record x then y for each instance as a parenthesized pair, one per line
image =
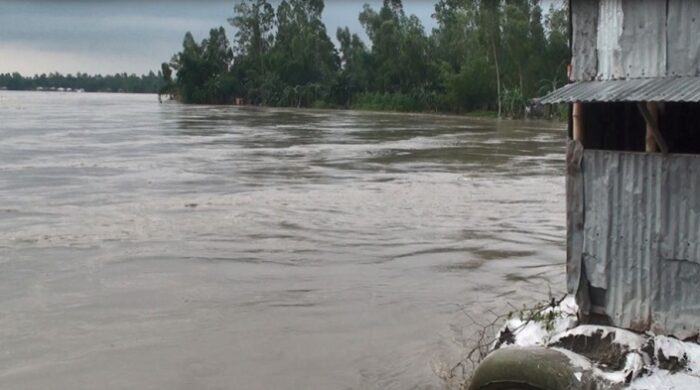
(455, 38)
(483, 55)
(203, 69)
(490, 17)
(254, 21)
(399, 63)
(557, 49)
(354, 75)
(304, 56)
(148, 83)
(516, 39)
(538, 44)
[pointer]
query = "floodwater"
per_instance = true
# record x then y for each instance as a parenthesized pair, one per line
(163, 246)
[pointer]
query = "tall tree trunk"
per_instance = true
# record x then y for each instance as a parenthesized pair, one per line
(520, 74)
(498, 74)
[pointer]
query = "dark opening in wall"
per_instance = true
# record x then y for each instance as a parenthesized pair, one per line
(680, 126)
(620, 126)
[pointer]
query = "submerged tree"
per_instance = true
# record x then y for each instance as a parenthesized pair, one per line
(203, 69)
(168, 88)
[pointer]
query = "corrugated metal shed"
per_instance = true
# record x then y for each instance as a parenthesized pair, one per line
(633, 219)
(669, 89)
(640, 242)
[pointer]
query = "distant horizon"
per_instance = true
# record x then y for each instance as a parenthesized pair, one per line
(32, 75)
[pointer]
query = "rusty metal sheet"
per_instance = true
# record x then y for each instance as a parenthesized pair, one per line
(669, 89)
(640, 208)
(683, 43)
(574, 214)
(616, 229)
(575, 282)
(584, 39)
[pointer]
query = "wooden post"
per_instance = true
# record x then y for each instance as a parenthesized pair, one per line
(578, 130)
(652, 127)
(651, 145)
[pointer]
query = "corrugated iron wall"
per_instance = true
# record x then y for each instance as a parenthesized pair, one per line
(641, 239)
(609, 32)
(643, 39)
(584, 20)
(620, 39)
(683, 32)
(679, 248)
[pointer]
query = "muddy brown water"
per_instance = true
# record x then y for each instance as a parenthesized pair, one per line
(163, 246)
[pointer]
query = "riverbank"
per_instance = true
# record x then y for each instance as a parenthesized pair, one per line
(559, 116)
(555, 113)
(76, 90)
(547, 345)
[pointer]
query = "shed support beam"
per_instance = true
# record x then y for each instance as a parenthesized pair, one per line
(578, 130)
(650, 112)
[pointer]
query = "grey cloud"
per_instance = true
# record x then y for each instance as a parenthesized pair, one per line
(141, 33)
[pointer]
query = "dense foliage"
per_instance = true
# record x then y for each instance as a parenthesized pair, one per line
(486, 55)
(150, 83)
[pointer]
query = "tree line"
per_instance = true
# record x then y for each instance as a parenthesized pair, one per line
(490, 55)
(120, 82)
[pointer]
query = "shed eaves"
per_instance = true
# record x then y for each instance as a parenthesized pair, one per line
(666, 89)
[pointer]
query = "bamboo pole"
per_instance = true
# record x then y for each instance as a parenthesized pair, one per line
(578, 130)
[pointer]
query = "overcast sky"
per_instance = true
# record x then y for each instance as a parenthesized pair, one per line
(103, 36)
(135, 36)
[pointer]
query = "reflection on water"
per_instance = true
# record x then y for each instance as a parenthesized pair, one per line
(169, 246)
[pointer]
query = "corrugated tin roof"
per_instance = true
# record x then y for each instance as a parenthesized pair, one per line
(667, 89)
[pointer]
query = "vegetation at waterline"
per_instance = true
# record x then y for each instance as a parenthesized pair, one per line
(484, 55)
(150, 83)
